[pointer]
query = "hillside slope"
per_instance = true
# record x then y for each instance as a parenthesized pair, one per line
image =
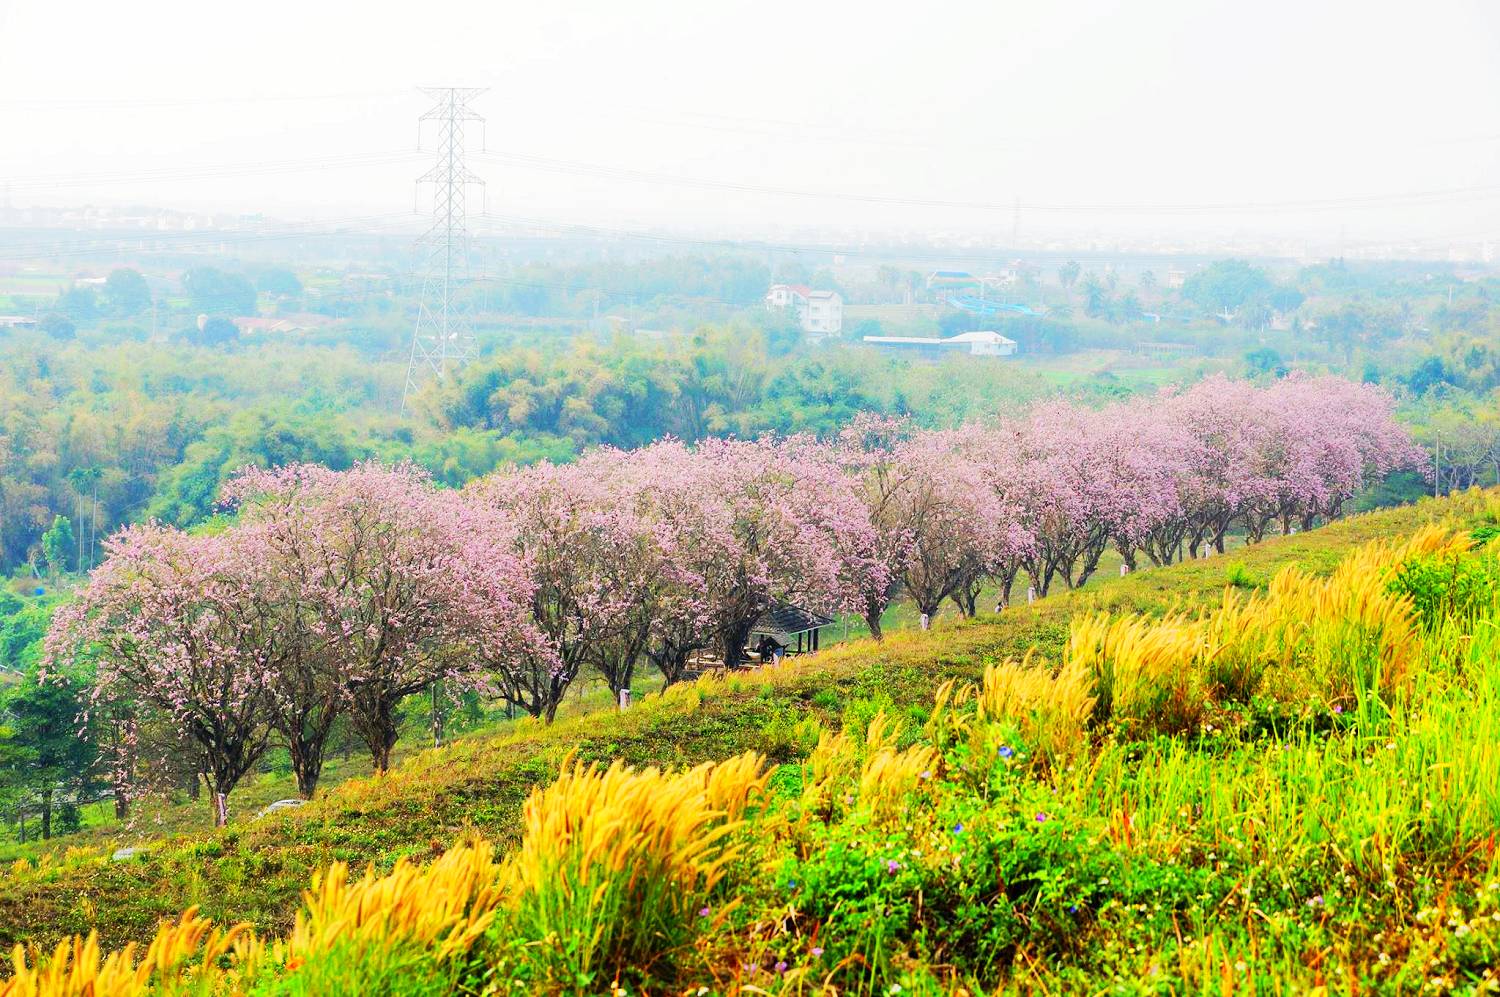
(479, 784)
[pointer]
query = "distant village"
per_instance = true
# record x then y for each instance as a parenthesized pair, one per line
(820, 314)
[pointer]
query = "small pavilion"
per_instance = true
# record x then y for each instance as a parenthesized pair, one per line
(783, 624)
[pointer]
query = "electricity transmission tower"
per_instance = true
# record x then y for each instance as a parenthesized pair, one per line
(442, 339)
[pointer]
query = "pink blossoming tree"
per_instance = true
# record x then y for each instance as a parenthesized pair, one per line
(388, 585)
(747, 525)
(591, 562)
(170, 625)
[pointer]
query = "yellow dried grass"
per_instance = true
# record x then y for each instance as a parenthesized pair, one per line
(445, 905)
(624, 821)
(185, 950)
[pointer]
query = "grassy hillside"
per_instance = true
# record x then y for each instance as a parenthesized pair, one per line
(257, 872)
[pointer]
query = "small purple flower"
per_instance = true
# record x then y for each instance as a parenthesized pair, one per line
(1338, 707)
(781, 966)
(1041, 818)
(891, 865)
(1072, 908)
(925, 775)
(791, 884)
(704, 912)
(816, 951)
(752, 967)
(1006, 751)
(958, 828)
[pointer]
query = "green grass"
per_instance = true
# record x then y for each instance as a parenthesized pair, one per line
(155, 818)
(256, 871)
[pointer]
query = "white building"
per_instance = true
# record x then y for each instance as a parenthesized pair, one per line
(1006, 276)
(975, 344)
(820, 313)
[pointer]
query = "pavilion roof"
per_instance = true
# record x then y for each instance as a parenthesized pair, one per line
(784, 620)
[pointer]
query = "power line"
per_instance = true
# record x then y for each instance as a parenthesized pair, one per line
(398, 224)
(101, 103)
(608, 172)
(179, 174)
(893, 252)
(168, 242)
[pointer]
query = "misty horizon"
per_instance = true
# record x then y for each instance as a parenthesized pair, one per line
(1338, 128)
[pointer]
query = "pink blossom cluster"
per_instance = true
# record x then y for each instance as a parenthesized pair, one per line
(340, 594)
(1165, 476)
(332, 594)
(1158, 477)
(663, 551)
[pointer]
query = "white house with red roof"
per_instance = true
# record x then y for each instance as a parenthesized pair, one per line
(820, 313)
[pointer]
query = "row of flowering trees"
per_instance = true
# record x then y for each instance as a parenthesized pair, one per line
(339, 594)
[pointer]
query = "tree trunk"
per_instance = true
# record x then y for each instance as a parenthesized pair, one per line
(1007, 586)
(671, 660)
(875, 607)
(734, 644)
(1195, 541)
(221, 808)
(618, 667)
(1255, 528)
(1090, 565)
(47, 815)
(122, 771)
(378, 725)
(380, 756)
(307, 766)
(966, 596)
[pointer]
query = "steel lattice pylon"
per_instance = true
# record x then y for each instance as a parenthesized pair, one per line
(442, 338)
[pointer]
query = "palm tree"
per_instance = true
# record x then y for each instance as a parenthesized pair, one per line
(1067, 276)
(85, 483)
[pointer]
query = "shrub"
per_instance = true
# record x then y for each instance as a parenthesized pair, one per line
(889, 775)
(785, 736)
(1019, 703)
(1144, 673)
(614, 866)
(1239, 576)
(958, 884)
(1448, 587)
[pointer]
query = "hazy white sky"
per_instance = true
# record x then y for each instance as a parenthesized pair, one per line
(1316, 113)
